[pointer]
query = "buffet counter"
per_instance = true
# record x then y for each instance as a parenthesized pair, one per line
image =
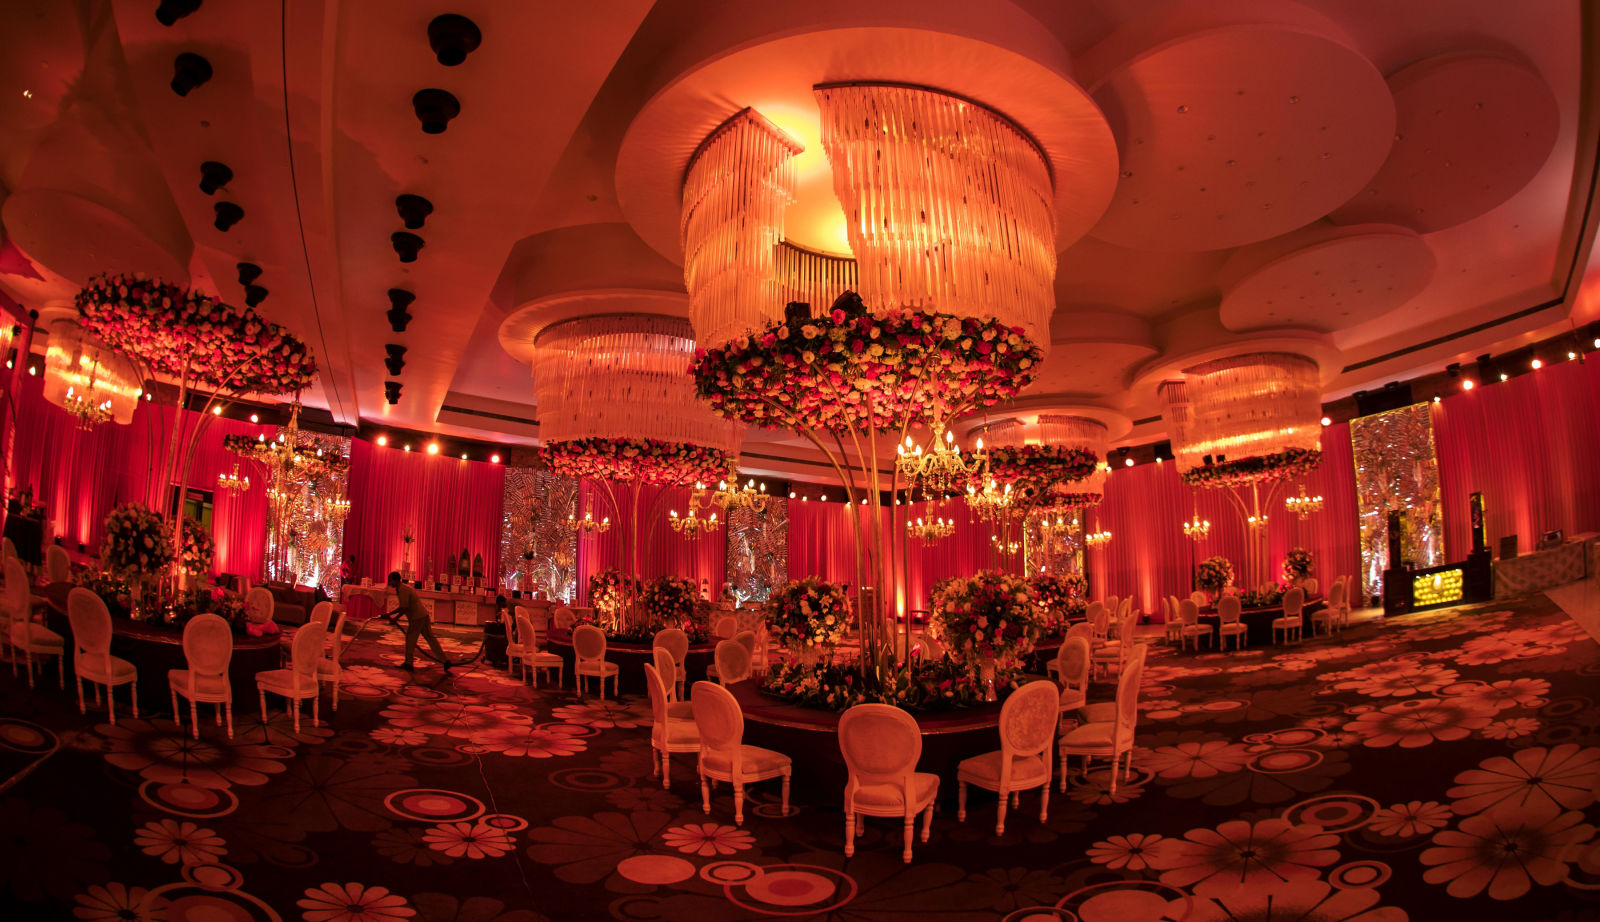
(461, 608)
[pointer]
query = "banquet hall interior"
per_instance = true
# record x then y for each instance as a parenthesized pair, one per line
(518, 461)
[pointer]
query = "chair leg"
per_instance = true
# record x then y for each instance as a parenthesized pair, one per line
(111, 704)
(28, 652)
(1063, 773)
(133, 688)
(263, 711)
(295, 703)
(961, 801)
(784, 802)
(1044, 801)
(228, 705)
(79, 680)
(1000, 816)
(61, 670)
(927, 822)
(738, 803)
(849, 834)
(910, 822)
(336, 693)
(177, 715)
(316, 706)
(705, 794)
(666, 771)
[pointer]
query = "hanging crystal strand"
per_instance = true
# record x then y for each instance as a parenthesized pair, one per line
(1242, 407)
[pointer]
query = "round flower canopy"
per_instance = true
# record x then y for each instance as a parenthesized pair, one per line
(648, 461)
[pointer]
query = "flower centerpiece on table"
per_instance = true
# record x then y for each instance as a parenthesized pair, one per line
(1055, 596)
(927, 686)
(202, 600)
(1297, 566)
(1213, 576)
(990, 621)
(808, 616)
(199, 549)
(672, 601)
(137, 546)
(1268, 597)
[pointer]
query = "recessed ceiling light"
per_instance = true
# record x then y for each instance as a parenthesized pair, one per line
(255, 417)
(1536, 364)
(1127, 462)
(408, 446)
(216, 411)
(1504, 376)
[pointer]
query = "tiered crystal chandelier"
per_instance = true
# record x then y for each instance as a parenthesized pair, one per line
(693, 526)
(1197, 529)
(731, 496)
(88, 380)
(1303, 505)
(931, 529)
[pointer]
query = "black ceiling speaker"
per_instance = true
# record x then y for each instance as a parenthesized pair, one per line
(228, 214)
(452, 37)
(214, 176)
(189, 70)
(414, 210)
(396, 362)
(399, 300)
(254, 294)
(435, 109)
(391, 391)
(248, 273)
(170, 11)
(407, 245)
(1391, 396)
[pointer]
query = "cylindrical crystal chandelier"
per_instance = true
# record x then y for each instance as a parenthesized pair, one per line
(87, 379)
(948, 205)
(738, 184)
(1248, 406)
(623, 376)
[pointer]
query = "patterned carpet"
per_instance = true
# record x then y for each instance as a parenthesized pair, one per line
(1434, 766)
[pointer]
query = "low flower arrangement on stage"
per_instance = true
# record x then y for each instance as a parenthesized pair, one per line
(673, 601)
(137, 542)
(1297, 565)
(1060, 598)
(814, 372)
(1214, 575)
(1261, 598)
(609, 592)
(990, 621)
(1294, 462)
(199, 548)
(808, 616)
(635, 460)
(929, 686)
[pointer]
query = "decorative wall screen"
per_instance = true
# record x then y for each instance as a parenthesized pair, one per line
(1396, 469)
(758, 550)
(537, 548)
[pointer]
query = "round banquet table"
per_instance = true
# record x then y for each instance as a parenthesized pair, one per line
(1258, 621)
(155, 648)
(810, 737)
(631, 659)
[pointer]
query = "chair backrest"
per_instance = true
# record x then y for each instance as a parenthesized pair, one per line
(1198, 597)
(16, 590)
(1102, 623)
(1128, 686)
(337, 647)
(1188, 612)
(1166, 609)
(1125, 608)
(1111, 605)
(1336, 594)
(563, 618)
(733, 662)
(306, 650)
(258, 605)
(666, 669)
(322, 613)
(658, 702)
(726, 627)
(1125, 633)
(207, 646)
(589, 642)
(9, 547)
(1072, 664)
(674, 640)
(746, 639)
(57, 565)
(1082, 629)
(1311, 585)
(1228, 609)
(91, 621)
(933, 647)
(880, 744)
(717, 714)
(1294, 602)
(524, 628)
(1028, 720)
(1095, 608)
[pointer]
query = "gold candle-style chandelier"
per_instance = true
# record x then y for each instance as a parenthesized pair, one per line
(692, 526)
(941, 468)
(1303, 505)
(1197, 528)
(992, 502)
(233, 483)
(730, 495)
(89, 381)
(588, 525)
(931, 529)
(337, 509)
(1005, 546)
(1058, 527)
(1097, 538)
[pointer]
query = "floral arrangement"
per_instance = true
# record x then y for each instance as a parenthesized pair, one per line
(137, 542)
(850, 370)
(22, 503)
(1058, 596)
(644, 460)
(990, 615)
(609, 591)
(808, 613)
(1261, 598)
(1061, 498)
(1297, 565)
(199, 548)
(1295, 462)
(116, 592)
(672, 601)
(1214, 575)
(928, 686)
(181, 332)
(1041, 469)
(207, 600)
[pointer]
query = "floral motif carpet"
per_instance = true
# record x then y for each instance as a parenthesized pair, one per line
(1442, 765)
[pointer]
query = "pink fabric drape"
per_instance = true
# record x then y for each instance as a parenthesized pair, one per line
(1531, 445)
(449, 504)
(80, 475)
(663, 551)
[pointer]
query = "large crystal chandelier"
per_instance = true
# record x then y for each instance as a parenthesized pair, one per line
(88, 380)
(991, 503)
(1248, 406)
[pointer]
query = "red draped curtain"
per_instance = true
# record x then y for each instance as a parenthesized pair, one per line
(1531, 445)
(664, 552)
(449, 504)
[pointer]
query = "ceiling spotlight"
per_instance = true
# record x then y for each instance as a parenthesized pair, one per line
(494, 459)
(228, 214)
(463, 456)
(1453, 369)
(399, 316)
(391, 391)
(254, 294)
(33, 369)
(1536, 364)
(397, 358)
(1436, 398)
(216, 410)
(1127, 462)
(189, 70)
(170, 11)
(248, 273)
(383, 440)
(792, 494)
(1597, 342)
(408, 446)
(1571, 356)
(435, 108)
(213, 176)
(413, 209)
(1467, 385)
(407, 245)
(433, 448)
(1504, 376)
(1326, 421)
(452, 37)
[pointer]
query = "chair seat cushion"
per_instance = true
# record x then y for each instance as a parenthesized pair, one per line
(1099, 712)
(281, 682)
(1285, 622)
(36, 638)
(205, 686)
(515, 650)
(1071, 699)
(595, 667)
(682, 731)
(327, 669)
(680, 710)
(892, 796)
(1096, 735)
(984, 770)
(1197, 629)
(541, 660)
(757, 762)
(93, 667)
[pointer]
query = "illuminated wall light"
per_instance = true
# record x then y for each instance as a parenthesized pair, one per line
(255, 417)
(1504, 376)
(1326, 421)
(433, 448)
(1467, 385)
(216, 411)
(494, 459)
(383, 440)
(1127, 462)
(1536, 364)
(1436, 398)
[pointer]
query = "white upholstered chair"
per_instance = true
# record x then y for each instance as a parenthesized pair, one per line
(732, 662)
(881, 745)
(529, 654)
(589, 658)
(1231, 626)
(1199, 598)
(1189, 614)
(1110, 739)
(667, 672)
(92, 659)
(299, 681)
(22, 632)
(724, 756)
(322, 613)
(57, 564)
(1072, 671)
(1327, 617)
(1027, 729)
(1311, 585)
(1113, 653)
(1170, 622)
(676, 642)
(670, 731)
(259, 605)
(207, 650)
(328, 668)
(1292, 622)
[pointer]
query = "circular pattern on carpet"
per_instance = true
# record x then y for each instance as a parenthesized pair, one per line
(588, 779)
(432, 805)
(730, 873)
(793, 890)
(21, 736)
(1285, 761)
(1359, 875)
(655, 869)
(189, 800)
(1334, 812)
